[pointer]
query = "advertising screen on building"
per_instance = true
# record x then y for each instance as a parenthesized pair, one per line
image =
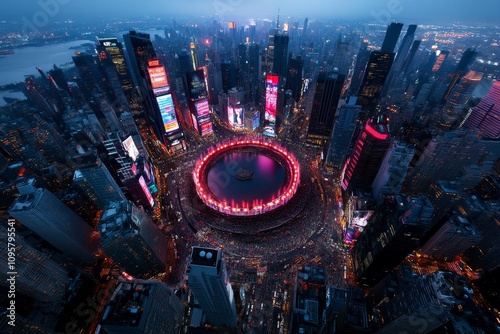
(235, 116)
(146, 191)
(255, 120)
(195, 122)
(129, 146)
(206, 129)
(167, 111)
(271, 97)
(158, 76)
(202, 108)
(196, 85)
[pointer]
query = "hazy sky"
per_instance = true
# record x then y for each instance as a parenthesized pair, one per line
(419, 11)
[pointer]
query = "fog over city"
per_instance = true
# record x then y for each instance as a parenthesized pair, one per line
(425, 11)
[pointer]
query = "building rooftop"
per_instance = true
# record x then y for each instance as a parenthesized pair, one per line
(117, 219)
(203, 256)
(128, 303)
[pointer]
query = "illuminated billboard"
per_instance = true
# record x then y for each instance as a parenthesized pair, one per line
(158, 76)
(146, 191)
(196, 85)
(202, 108)
(129, 146)
(271, 97)
(235, 116)
(206, 129)
(167, 111)
(195, 122)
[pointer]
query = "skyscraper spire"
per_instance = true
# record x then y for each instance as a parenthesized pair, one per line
(278, 20)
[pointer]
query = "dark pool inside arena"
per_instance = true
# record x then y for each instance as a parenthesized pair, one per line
(267, 180)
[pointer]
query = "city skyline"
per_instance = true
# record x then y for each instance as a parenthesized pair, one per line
(244, 171)
(383, 11)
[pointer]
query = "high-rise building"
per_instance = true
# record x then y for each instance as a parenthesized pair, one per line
(444, 159)
(139, 50)
(404, 47)
(142, 307)
(392, 171)
(486, 115)
(486, 254)
(359, 69)
(95, 180)
(392, 36)
(411, 55)
(132, 240)
(198, 102)
(343, 130)
(361, 168)
(43, 213)
(392, 233)
(462, 68)
(427, 304)
(38, 276)
(376, 73)
(280, 58)
(229, 76)
(115, 51)
(164, 117)
(325, 102)
(454, 109)
(294, 77)
(454, 237)
(209, 281)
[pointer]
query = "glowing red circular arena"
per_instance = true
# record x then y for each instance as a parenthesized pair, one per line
(286, 159)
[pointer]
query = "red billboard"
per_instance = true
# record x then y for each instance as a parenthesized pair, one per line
(271, 97)
(158, 76)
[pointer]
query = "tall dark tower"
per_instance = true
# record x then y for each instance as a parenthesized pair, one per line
(114, 50)
(280, 59)
(294, 77)
(462, 68)
(404, 47)
(326, 99)
(140, 50)
(374, 79)
(407, 62)
(359, 70)
(391, 37)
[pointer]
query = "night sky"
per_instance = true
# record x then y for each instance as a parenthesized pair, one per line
(421, 11)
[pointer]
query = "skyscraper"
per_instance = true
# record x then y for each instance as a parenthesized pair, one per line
(325, 102)
(132, 240)
(374, 79)
(209, 281)
(294, 77)
(393, 232)
(342, 133)
(454, 109)
(406, 43)
(141, 307)
(362, 166)
(462, 68)
(359, 69)
(43, 213)
(96, 181)
(38, 276)
(392, 36)
(115, 51)
(280, 58)
(392, 171)
(486, 115)
(454, 237)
